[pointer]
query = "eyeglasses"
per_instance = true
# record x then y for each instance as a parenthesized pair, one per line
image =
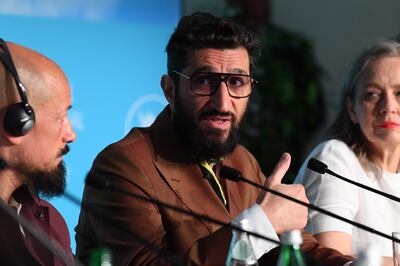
(207, 83)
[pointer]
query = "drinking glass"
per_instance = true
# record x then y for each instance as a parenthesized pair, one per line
(396, 249)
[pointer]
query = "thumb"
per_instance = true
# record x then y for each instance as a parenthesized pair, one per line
(279, 171)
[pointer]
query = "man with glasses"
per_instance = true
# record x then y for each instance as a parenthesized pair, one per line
(177, 160)
(207, 83)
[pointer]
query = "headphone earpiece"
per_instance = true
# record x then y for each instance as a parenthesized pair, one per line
(17, 121)
(19, 118)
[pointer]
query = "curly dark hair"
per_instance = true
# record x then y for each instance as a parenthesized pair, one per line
(203, 30)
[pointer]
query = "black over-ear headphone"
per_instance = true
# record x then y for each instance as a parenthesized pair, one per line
(19, 118)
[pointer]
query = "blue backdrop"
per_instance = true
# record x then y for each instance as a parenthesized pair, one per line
(113, 54)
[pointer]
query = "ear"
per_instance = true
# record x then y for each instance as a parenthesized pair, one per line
(350, 110)
(168, 87)
(10, 139)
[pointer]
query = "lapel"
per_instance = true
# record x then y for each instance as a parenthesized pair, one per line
(181, 171)
(188, 183)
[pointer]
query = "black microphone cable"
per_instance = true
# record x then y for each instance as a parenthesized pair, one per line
(102, 183)
(236, 176)
(92, 210)
(321, 168)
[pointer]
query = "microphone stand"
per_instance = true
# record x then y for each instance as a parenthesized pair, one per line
(93, 211)
(318, 166)
(107, 185)
(312, 206)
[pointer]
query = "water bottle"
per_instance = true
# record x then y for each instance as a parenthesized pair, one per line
(241, 253)
(369, 256)
(290, 251)
(100, 257)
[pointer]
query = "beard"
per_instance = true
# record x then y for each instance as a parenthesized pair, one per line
(205, 143)
(46, 183)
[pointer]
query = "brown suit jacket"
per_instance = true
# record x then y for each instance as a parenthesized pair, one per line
(154, 163)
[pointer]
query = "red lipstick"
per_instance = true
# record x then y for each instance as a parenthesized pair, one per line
(389, 124)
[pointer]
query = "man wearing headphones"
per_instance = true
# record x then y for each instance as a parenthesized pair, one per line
(33, 139)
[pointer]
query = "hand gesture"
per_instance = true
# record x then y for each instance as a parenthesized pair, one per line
(283, 214)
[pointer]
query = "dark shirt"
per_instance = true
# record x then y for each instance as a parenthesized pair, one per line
(17, 249)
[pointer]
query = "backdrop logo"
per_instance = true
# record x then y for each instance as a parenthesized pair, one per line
(144, 111)
(76, 116)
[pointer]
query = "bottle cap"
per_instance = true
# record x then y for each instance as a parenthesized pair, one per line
(292, 238)
(100, 256)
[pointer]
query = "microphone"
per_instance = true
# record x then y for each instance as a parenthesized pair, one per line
(317, 166)
(236, 176)
(3, 164)
(40, 235)
(321, 168)
(231, 174)
(100, 182)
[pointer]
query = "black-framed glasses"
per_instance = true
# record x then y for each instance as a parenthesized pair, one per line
(207, 83)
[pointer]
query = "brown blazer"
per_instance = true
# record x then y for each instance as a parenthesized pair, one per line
(153, 162)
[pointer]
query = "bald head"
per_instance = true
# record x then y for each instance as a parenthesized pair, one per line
(38, 74)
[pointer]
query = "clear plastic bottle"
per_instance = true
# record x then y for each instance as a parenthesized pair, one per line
(290, 252)
(241, 252)
(369, 256)
(100, 257)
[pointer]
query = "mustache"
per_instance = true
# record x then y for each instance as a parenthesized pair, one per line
(65, 150)
(216, 112)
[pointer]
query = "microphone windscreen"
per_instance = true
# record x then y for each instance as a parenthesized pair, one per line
(317, 166)
(3, 164)
(97, 181)
(230, 173)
